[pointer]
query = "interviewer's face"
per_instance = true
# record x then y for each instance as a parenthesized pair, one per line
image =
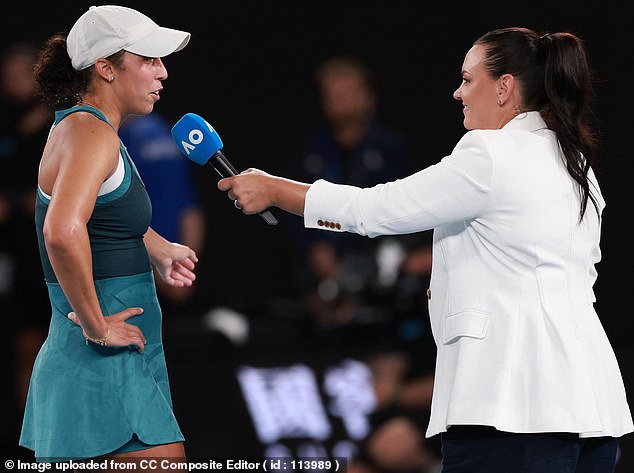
(478, 93)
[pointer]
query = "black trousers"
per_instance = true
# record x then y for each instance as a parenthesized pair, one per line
(479, 449)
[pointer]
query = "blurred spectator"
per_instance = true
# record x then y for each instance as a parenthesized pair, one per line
(336, 273)
(368, 290)
(168, 179)
(25, 121)
(403, 373)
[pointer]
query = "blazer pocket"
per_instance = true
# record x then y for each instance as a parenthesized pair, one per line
(471, 324)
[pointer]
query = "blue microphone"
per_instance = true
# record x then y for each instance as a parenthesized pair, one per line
(198, 140)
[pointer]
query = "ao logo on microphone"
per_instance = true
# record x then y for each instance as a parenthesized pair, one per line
(194, 138)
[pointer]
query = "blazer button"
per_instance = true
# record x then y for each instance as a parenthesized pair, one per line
(338, 226)
(428, 294)
(320, 223)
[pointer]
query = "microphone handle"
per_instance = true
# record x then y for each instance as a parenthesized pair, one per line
(224, 167)
(221, 164)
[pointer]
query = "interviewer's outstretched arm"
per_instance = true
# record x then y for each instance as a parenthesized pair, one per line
(254, 191)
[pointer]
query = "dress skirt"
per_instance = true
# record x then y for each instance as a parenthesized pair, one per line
(86, 400)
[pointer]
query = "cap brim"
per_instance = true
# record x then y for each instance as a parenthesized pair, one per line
(160, 42)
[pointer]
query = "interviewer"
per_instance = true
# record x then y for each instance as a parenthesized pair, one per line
(526, 379)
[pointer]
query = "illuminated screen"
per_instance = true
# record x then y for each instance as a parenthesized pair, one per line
(266, 402)
(298, 411)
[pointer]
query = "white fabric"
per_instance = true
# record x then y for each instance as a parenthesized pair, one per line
(520, 346)
(115, 180)
(107, 29)
(109, 184)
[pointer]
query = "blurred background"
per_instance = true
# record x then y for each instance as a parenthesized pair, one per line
(289, 345)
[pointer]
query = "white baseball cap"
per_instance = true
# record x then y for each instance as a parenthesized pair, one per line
(107, 29)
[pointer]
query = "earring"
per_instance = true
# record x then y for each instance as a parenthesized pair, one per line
(499, 101)
(110, 79)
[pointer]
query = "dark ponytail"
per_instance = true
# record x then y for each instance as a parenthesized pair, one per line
(568, 85)
(59, 83)
(555, 78)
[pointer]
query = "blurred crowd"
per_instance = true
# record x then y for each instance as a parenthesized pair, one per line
(24, 124)
(348, 289)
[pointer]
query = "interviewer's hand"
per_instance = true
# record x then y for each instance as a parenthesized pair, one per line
(251, 190)
(120, 333)
(254, 191)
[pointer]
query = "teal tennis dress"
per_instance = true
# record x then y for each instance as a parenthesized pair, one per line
(86, 400)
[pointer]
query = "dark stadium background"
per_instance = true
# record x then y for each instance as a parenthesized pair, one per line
(248, 71)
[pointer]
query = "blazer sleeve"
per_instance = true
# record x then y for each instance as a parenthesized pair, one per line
(455, 189)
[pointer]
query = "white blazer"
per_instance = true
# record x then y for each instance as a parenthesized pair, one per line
(520, 346)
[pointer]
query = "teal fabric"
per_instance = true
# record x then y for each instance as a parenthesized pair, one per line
(116, 226)
(85, 400)
(133, 445)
